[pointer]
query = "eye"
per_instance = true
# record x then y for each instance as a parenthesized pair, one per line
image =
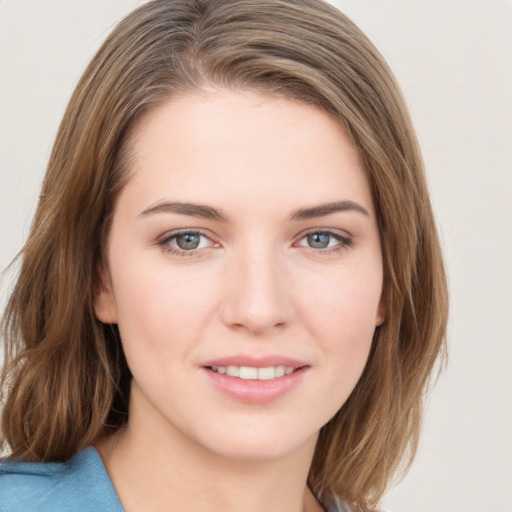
(320, 240)
(185, 242)
(325, 240)
(188, 241)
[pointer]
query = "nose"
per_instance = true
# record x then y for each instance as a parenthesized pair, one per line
(256, 293)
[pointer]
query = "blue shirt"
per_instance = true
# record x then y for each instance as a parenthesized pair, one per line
(80, 484)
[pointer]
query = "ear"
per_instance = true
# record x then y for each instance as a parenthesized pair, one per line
(382, 312)
(103, 297)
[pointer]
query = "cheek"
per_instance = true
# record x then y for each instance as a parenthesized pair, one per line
(341, 315)
(346, 301)
(161, 307)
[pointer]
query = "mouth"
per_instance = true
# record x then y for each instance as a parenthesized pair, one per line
(253, 372)
(255, 380)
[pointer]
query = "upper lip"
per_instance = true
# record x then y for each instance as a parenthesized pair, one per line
(255, 361)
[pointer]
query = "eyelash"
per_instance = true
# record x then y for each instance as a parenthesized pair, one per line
(164, 242)
(345, 241)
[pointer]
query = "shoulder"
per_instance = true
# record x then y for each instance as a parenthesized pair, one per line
(79, 484)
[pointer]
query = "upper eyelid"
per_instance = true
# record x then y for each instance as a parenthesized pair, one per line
(177, 232)
(330, 231)
(206, 232)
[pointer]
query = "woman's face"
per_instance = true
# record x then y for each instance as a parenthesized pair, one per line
(245, 273)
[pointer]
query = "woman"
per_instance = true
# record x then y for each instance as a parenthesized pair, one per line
(232, 295)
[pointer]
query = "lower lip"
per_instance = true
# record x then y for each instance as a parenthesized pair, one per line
(255, 391)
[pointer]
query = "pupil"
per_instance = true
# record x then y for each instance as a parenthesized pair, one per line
(188, 241)
(318, 240)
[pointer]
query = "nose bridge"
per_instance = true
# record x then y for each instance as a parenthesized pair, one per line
(256, 298)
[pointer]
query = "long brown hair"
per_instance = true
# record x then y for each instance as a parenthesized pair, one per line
(65, 378)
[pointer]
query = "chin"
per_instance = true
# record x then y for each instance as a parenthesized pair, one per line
(261, 444)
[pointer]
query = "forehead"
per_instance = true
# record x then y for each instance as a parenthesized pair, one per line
(227, 144)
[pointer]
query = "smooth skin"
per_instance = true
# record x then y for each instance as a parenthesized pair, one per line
(276, 252)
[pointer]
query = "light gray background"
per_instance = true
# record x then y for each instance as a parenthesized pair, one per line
(453, 60)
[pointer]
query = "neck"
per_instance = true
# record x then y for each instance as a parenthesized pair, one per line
(164, 470)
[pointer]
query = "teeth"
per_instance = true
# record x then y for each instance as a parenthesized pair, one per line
(233, 371)
(252, 373)
(266, 373)
(248, 373)
(280, 371)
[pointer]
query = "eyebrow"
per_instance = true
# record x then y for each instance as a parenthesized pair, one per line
(190, 209)
(210, 213)
(327, 209)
